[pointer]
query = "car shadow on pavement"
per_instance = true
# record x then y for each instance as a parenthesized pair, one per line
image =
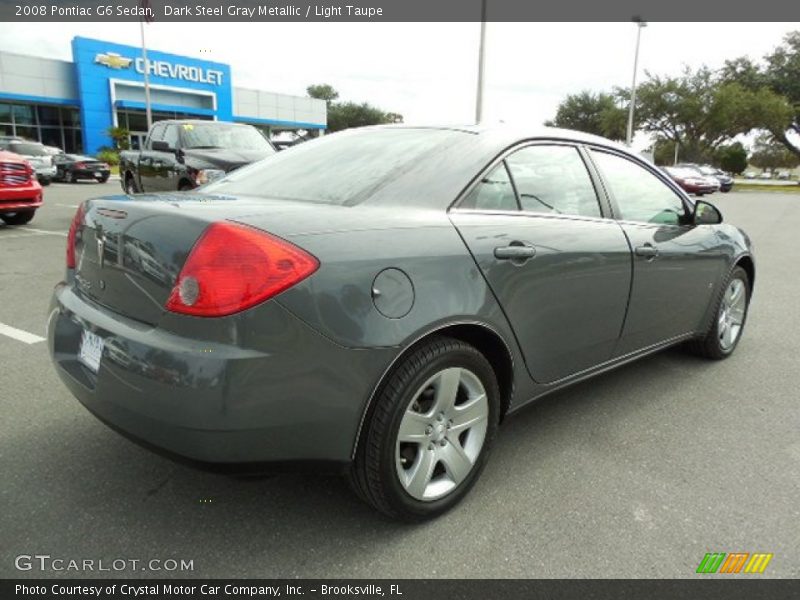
(107, 490)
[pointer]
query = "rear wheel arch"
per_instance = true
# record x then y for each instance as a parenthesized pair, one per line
(482, 337)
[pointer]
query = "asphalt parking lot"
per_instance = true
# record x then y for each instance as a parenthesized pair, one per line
(637, 473)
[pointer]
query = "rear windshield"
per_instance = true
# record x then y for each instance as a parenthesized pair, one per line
(343, 169)
(28, 149)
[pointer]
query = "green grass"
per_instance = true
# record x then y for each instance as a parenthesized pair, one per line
(755, 187)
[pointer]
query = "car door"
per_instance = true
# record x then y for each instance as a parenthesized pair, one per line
(675, 264)
(557, 264)
(149, 160)
(167, 167)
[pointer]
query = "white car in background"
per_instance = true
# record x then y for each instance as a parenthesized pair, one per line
(37, 155)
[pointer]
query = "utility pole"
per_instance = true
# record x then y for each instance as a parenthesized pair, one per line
(640, 24)
(481, 66)
(146, 78)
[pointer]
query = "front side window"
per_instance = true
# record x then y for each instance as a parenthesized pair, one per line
(171, 136)
(640, 195)
(493, 192)
(553, 180)
(155, 134)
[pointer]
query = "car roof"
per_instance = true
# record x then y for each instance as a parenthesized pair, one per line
(520, 132)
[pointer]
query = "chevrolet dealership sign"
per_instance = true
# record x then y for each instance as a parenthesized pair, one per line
(162, 68)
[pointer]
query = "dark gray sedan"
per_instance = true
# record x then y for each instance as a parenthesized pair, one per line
(378, 300)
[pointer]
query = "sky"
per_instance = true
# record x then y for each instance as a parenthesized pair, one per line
(427, 71)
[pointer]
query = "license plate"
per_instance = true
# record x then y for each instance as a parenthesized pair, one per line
(91, 350)
(98, 174)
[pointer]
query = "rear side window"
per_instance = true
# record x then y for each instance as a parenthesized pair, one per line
(553, 180)
(639, 194)
(493, 192)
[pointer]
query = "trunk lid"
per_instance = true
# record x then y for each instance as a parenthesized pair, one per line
(130, 249)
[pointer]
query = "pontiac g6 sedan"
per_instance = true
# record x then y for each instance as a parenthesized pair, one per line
(378, 300)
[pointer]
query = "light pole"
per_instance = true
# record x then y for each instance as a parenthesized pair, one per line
(481, 65)
(640, 24)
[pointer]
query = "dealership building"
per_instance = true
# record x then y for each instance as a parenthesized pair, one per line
(72, 105)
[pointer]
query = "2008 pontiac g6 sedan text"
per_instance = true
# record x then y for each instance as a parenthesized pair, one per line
(379, 299)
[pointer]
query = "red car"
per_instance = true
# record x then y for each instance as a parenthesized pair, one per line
(20, 193)
(691, 181)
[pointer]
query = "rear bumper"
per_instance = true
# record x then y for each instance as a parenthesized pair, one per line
(90, 173)
(17, 198)
(49, 172)
(210, 402)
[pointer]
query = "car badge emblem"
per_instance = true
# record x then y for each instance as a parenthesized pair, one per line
(113, 60)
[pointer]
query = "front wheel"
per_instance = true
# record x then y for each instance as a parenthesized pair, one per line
(730, 316)
(19, 218)
(102, 179)
(130, 186)
(429, 433)
(69, 177)
(45, 181)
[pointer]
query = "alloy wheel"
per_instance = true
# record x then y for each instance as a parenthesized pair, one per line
(731, 314)
(441, 434)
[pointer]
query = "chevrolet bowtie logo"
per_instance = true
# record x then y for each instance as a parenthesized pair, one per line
(113, 60)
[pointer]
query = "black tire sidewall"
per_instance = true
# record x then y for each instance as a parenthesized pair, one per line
(398, 497)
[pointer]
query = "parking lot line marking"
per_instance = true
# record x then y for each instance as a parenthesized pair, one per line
(45, 231)
(68, 205)
(19, 335)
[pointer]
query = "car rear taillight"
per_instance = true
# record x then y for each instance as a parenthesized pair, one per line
(80, 165)
(77, 221)
(233, 267)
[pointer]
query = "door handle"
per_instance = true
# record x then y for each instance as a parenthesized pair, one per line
(648, 251)
(516, 252)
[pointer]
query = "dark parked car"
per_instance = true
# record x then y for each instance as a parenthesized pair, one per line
(72, 167)
(181, 155)
(378, 300)
(691, 181)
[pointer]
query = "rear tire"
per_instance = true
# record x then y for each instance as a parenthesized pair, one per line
(69, 177)
(19, 218)
(730, 315)
(446, 437)
(102, 179)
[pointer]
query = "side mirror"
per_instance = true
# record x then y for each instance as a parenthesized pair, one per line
(161, 146)
(706, 213)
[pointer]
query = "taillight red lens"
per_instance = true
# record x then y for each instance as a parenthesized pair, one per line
(80, 165)
(234, 267)
(77, 221)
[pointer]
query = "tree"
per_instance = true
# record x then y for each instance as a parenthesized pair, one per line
(344, 115)
(777, 78)
(771, 154)
(323, 91)
(598, 114)
(120, 136)
(731, 158)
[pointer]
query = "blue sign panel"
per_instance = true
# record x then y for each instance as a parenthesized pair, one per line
(105, 67)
